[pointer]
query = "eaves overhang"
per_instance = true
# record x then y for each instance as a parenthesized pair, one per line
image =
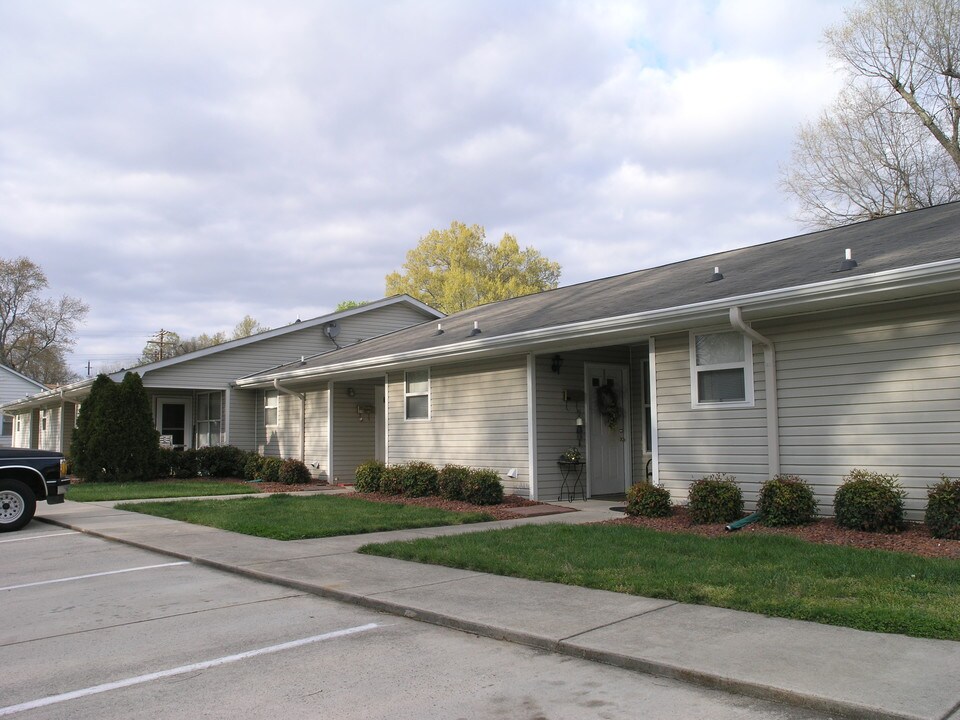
(64, 392)
(921, 280)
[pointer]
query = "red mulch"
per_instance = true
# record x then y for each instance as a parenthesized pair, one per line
(916, 539)
(499, 512)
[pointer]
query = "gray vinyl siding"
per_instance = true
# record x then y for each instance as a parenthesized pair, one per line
(702, 441)
(876, 389)
(243, 414)
(354, 440)
(283, 439)
(13, 387)
(556, 419)
(478, 419)
(217, 370)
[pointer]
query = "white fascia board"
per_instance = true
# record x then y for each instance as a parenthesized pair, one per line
(276, 332)
(44, 398)
(943, 274)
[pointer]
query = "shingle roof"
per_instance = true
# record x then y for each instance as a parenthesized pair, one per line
(900, 241)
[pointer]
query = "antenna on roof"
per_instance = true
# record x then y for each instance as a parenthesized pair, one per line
(331, 330)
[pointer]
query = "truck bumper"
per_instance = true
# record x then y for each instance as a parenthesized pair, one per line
(57, 490)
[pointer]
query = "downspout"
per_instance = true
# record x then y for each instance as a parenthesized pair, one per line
(770, 381)
(303, 415)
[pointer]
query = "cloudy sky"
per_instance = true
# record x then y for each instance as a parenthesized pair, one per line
(180, 164)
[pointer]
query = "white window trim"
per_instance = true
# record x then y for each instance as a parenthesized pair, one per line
(746, 365)
(275, 395)
(428, 395)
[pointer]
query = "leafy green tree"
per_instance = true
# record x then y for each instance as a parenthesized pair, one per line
(247, 327)
(115, 440)
(350, 305)
(456, 269)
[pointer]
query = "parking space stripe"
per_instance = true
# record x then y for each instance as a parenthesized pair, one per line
(93, 575)
(206, 664)
(39, 537)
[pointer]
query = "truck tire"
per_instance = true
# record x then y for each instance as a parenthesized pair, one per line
(17, 505)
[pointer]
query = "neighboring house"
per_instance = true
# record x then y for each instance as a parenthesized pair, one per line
(784, 357)
(13, 386)
(194, 399)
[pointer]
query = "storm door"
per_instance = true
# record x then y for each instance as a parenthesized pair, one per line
(608, 429)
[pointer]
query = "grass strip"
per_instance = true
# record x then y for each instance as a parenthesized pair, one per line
(284, 517)
(776, 576)
(96, 491)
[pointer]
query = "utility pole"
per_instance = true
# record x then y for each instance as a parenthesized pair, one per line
(159, 342)
(88, 368)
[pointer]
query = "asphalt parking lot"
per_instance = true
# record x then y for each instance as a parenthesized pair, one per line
(95, 629)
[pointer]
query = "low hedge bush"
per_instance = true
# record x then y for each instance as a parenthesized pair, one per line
(483, 487)
(270, 469)
(391, 481)
(645, 500)
(715, 499)
(451, 481)
(366, 478)
(419, 479)
(943, 509)
(786, 500)
(869, 501)
(253, 467)
(294, 472)
(221, 461)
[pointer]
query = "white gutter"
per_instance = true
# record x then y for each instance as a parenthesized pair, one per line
(303, 415)
(648, 321)
(770, 382)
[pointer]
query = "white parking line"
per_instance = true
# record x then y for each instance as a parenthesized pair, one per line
(39, 537)
(93, 575)
(106, 687)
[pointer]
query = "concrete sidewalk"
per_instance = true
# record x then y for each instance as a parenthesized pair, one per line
(835, 670)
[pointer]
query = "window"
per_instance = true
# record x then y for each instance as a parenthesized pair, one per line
(43, 420)
(6, 426)
(416, 394)
(721, 369)
(208, 419)
(270, 400)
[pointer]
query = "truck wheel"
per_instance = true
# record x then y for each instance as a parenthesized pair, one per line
(17, 505)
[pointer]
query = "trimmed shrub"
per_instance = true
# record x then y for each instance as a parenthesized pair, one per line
(185, 464)
(221, 461)
(451, 480)
(943, 509)
(419, 479)
(644, 500)
(391, 481)
(715, 499)
(294, 472)
(253, 467)
(270, 469)
(483, 487)
(366, 478)
(786, 500)
(870, 501)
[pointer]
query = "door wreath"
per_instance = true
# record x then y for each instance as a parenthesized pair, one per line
(608, 405)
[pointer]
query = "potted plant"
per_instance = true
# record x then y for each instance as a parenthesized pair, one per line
(572, 455)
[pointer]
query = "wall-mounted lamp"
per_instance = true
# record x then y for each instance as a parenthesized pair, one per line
(351, 392)
(556, 363)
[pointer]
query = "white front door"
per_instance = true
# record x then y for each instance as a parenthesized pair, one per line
(608, 428)
(175, 418)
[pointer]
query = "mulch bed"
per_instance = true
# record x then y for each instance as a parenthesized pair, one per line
(498, 512)
(915, 539)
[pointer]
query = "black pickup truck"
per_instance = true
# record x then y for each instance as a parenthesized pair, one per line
(25, 477)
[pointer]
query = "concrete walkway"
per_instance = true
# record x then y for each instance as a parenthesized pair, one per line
(837, 670)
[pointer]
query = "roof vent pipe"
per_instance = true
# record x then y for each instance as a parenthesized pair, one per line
(848, 263)
(439, 329)
(717, 275)
(476, 328)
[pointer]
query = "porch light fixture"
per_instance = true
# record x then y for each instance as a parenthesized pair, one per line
(351, 392)
(556, 363)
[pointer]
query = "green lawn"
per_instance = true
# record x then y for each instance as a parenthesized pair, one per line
(284, 517)
(95, 491)
(776, 576)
